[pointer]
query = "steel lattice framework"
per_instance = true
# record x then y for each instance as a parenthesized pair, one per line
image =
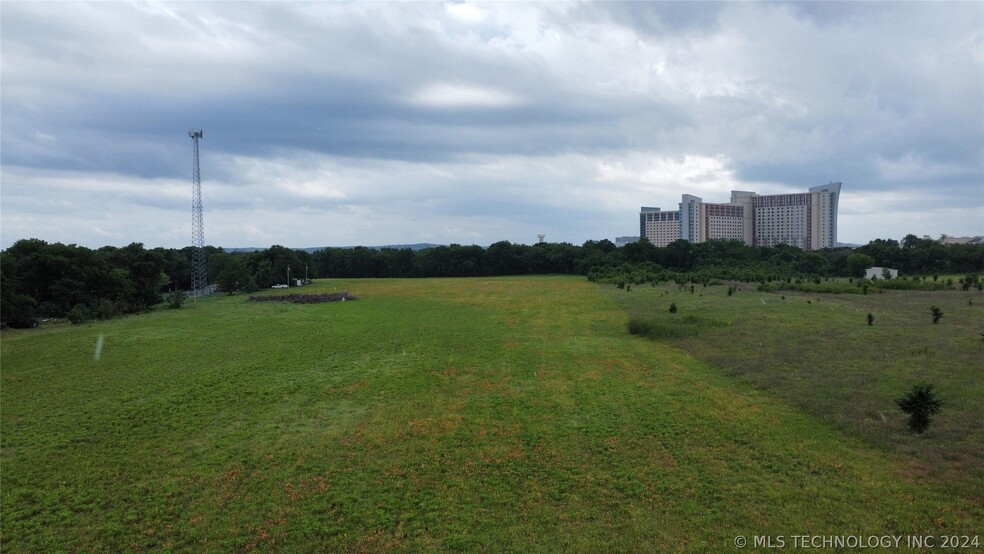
(199, 280)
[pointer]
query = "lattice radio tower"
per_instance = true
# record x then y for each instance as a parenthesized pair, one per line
(199, 280)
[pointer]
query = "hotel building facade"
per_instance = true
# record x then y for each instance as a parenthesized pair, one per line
(806, 220)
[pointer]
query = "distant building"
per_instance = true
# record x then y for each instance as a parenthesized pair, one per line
(622, 241)
(807, 220)
(659, 227)
(961, 240)
(879, 273)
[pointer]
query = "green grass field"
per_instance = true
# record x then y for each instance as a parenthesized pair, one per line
(818, 352)
(506, 414)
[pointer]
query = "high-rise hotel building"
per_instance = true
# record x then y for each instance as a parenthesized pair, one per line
(661, 228)
(807, 220)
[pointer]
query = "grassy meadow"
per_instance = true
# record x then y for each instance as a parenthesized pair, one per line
(504, 414)
(818, 352)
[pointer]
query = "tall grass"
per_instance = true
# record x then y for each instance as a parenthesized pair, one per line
(825, 354)
(683, 326)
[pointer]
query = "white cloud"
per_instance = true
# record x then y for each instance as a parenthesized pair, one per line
(479, 122)
(465, 12)
(455, 95)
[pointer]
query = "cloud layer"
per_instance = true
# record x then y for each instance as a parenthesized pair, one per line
(376, 123)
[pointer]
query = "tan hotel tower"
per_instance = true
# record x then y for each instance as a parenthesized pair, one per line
(806, 220)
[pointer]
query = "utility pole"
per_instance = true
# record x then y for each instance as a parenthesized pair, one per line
(199, 280)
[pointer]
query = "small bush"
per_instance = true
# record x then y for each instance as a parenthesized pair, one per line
(80, 313)
(655, 329)
(937, 314)
(871, 320)
(640, 327)
(105, 309)
(249, 285)
(673, 308)
(177, 299)
(921, 404)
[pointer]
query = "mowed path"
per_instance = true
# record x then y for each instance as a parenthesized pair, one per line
(506, 414)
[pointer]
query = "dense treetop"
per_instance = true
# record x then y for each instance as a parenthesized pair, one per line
(38, 279)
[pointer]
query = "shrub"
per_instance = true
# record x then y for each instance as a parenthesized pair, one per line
(921, 404)
(250, 285)
(655, 329)
(937, 314)
(177, 299)
(871, 320)
(106, 309)
(80, 313)
(673, 308)
(640, 327)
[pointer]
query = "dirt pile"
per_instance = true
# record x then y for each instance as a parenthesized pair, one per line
(305, 298)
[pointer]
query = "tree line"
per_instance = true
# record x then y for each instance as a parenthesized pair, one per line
(41, 280)
(38, 279)
(723, 259)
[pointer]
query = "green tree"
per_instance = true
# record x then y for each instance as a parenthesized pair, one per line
(921, 404)
(639, 251)
(16, 308)
(812, 263)
(234, 274)
(858, 263)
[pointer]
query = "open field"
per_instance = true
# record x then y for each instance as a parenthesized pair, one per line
(818, 352)
(497, 414)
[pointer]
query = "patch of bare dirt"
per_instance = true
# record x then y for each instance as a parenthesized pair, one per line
(305, 298)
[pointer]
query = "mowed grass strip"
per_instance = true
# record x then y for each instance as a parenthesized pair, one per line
(430, 415)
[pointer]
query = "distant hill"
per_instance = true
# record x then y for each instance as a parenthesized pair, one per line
(414, 247)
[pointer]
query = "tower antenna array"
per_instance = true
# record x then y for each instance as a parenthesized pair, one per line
(199, 280)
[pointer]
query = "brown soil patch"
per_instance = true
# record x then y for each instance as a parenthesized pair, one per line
(305, 298)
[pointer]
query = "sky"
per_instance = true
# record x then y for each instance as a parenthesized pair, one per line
(373, 123)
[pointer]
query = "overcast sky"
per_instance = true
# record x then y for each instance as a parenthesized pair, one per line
(334, 124)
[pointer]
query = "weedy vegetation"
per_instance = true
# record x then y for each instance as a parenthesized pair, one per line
(815, 355)
(501, 414)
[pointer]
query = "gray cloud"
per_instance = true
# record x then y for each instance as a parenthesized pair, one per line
(480, 122)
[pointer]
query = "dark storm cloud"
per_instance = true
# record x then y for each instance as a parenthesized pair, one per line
(452, 113)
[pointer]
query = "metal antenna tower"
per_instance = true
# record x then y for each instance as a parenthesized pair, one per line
(198, 278)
